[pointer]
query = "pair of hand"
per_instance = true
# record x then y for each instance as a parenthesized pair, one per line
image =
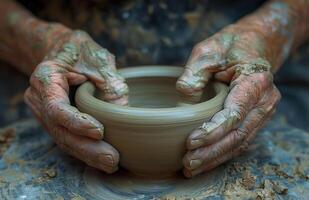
(232, 56)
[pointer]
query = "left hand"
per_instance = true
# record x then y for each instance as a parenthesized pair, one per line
(73, 59)
(235, 56)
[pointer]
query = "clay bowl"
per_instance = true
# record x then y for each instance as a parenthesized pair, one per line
(150, 134)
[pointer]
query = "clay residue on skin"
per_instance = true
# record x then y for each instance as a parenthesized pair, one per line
(68, 55)
(44, 74)
(256, 66)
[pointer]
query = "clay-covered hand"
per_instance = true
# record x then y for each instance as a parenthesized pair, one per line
(238, 57)
(71, 61)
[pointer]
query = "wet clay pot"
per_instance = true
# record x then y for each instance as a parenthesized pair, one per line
(151, 133)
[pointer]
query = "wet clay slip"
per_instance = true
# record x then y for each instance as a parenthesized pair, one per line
(151, 133)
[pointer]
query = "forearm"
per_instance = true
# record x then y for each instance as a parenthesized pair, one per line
(24, 39)
(284, 25)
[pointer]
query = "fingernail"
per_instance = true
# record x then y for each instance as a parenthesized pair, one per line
(196, 143)
(107, 160)
(195, 163)
(97, 133)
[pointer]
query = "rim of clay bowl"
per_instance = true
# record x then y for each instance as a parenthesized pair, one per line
(87, 102)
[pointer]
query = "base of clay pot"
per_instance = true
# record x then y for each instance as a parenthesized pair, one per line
(125, 185)
(154, 176)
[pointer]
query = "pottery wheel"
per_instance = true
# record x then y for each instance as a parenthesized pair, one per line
(37, 169)
(32, 167)
(123, 185)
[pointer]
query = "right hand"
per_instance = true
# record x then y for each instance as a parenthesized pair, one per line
(71, 61)
(236, 55)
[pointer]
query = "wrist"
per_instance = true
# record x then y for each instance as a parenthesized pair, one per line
(52, 36)
(39, 38)
(26, 39)
(282, 25)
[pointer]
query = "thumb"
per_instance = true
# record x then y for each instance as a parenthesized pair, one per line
(206, 57)
(191, 85)
(114, 88)
(99, 64)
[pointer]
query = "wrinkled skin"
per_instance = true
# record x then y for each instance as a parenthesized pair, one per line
(249, 104)
(72, 61)
(244, 55)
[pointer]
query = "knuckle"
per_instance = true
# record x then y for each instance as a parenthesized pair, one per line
(235, 54)
(43, 73)
(80, 33)
(238, 113)
(209, 49)
(27, 94)
(52, 108)
(28, 99)
(277, 94)
(256, 84)
(198, 49)
(37, 74)
(263, 111)
(241, 134)
(266, 78)
(216, 152)
(33, 80)
(95, 55)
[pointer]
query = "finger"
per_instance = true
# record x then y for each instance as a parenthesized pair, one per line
(34, 103)
(79, 123)
(114, 88)
(206, 57)
(98, 65)
(51, 85)
(225, 76)
(227, 156)
(95, 153)
(75, 79)
(196, 75)
(252, 135)
(191, 173)
(233, 140)
(245, 92)
(30, 101)
(98, 154)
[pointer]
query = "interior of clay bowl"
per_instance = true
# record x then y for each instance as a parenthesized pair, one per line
(157, 92)
(150, 133)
